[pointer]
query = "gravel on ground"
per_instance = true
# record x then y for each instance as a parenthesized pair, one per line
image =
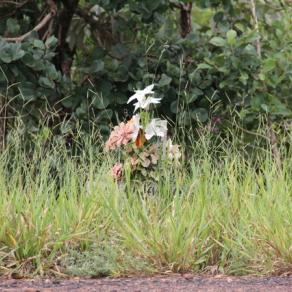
(168, 283)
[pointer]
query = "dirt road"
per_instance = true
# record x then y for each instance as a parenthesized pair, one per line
(157, 283)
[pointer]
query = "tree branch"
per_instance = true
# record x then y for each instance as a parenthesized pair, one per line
(44, 21)
(17, 4)
(17, 7)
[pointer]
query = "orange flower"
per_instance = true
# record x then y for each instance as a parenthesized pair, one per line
(140, 140)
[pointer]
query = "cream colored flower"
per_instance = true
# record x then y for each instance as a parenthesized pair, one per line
(135, 123)
(173, 150)
(156, 127)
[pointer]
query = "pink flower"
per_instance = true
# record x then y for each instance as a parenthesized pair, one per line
(117, 171)
(120, 135)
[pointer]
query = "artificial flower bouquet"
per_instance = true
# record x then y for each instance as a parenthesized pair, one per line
(142, 141)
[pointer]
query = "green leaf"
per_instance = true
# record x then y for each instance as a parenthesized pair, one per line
(30, 61)
(265, 108)
(52, 73)
(269, 64)
(10, 52)
(193, 95)
(71, 101)
(119, 51)
(204, 66)
(82, 110)
(96, 66)
(262, 76)
(231, 37)
(104, 87)
(38, 44)
(164, 80)
(46, 82)
(104, 115)
(151, 5)
(174, 107)
(218, 42)
(200, 115)
(190, 98)
(141, 62)
(100, 101)
(51, 42)
(12, 26)
(104, 129)
(28, 90)
(243, 78)
(18, 53)
(66, 127)
(121, 98)
(197, 92)
(122, 74)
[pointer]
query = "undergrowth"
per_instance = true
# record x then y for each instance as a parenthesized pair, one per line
(61, 212)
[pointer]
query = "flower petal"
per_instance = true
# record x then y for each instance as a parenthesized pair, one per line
(156, 127)
(141, 94)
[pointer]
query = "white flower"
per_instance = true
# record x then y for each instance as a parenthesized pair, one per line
(173, 150)
(139, 94)
(135, 122)
(156, 127)
(144, 103)
(144, 98)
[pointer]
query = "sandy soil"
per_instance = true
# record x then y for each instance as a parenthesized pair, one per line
(157, 283)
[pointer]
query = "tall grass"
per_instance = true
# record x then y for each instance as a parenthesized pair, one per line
(62, 213)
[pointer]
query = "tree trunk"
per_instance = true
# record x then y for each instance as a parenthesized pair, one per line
(64, 55)
(186, 18)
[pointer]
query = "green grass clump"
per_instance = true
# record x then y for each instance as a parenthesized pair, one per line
(64, 214)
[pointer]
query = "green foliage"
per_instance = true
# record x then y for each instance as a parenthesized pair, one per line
(117, 46)
(89, 263)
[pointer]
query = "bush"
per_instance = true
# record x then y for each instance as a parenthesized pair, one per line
(87, 58)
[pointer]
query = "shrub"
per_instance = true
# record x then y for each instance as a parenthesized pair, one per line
(83, 60)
